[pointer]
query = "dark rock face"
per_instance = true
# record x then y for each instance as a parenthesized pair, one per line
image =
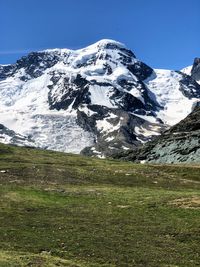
(34, 64)
(121, 134)
(75, 92)
(120, 137)
(195, 73)
(189, 87)
(140, 70)
(6, 71)
(181, 143)
(127, 101)
(130, 103)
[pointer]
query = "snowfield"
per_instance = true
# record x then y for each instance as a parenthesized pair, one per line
(164, 84)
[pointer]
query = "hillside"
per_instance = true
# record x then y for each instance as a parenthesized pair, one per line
(177, 145)
(61, 209)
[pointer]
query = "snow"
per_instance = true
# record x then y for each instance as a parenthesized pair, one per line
(135, 92)
(187, 70)
(86, 110)
(164, 84)
(125, 148)
(110, 138)
(121, 72)
(4, 65)
(100, 95)
(150, 119)
(113, 116)
(153, 130)
(106, 127)
(57, 50)
(101, 44)
(24, 109)
(6, 139)
(83, 57)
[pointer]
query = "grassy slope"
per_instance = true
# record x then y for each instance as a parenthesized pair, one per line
(67, 210)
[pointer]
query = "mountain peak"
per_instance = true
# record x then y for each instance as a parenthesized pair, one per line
(195, 72)
(104, 43)
(98, 99)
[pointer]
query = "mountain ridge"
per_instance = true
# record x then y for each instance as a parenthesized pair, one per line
(98, 100)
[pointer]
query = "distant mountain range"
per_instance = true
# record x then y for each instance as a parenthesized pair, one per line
(99, 100)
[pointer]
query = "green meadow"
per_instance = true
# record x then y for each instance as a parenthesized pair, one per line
(61, 209)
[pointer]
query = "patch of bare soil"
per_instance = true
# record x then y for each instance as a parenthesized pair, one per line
(192, 202)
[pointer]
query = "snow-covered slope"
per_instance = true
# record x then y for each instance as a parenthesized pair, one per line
(172, 95)
(187, 70)
(97, 100)
(25, 110)
(8, 136)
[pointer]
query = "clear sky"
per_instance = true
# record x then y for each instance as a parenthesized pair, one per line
(162, 33)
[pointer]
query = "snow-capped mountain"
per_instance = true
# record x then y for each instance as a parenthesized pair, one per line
(97, 100)
(187, 70)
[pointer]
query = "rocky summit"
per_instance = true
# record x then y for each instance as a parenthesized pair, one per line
(99, 100)
(195, 71)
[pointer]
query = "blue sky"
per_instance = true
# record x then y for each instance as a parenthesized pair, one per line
(162, 33)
